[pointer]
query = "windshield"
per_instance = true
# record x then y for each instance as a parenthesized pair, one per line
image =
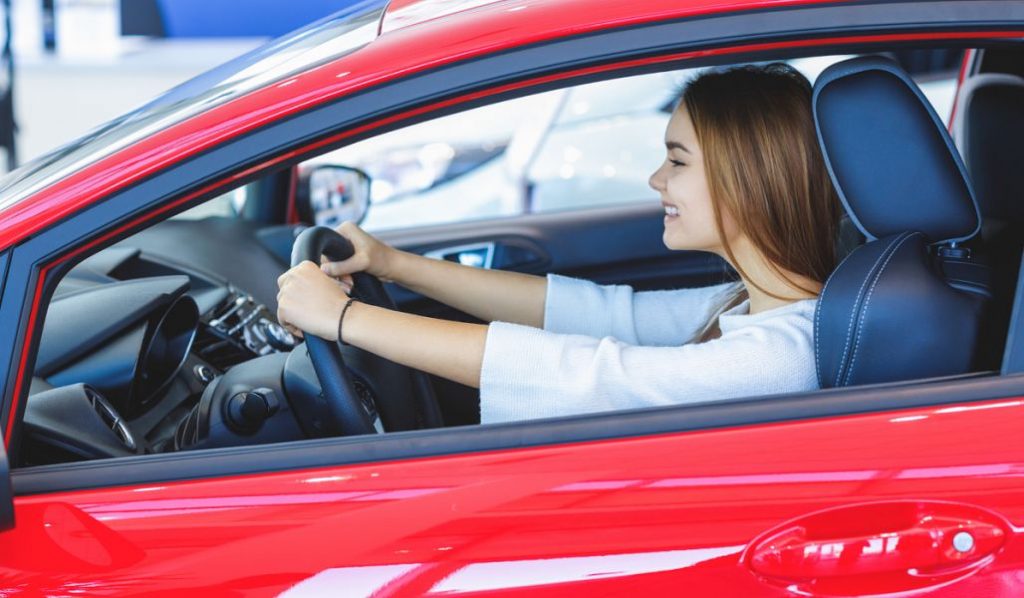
(322, 41)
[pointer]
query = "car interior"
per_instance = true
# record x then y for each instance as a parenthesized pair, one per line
(167, 340)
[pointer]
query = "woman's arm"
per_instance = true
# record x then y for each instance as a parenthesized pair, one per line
(452, 350)
(486, 294)
(654, 318)
(529, 373)
(312, 302)
(524, 372)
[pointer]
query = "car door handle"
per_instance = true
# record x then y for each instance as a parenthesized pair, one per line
(890, 547)
(479, 255)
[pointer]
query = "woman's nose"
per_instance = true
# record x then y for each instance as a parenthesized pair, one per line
(655, 180)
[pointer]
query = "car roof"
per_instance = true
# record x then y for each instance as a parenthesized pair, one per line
(405, 13)
(407, 36)
(400, 14)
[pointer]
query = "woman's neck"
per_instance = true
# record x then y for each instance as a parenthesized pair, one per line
(768, 287)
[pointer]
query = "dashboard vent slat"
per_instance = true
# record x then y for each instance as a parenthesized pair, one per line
(111, 419)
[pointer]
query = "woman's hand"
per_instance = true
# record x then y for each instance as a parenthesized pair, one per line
(369, 255)
(310, 301)
(487, 294)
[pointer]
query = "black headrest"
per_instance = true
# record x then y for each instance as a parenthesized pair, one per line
(890, 157)
(888, 312)
(989, 133)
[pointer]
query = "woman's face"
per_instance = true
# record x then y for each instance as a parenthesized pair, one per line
(680, 180)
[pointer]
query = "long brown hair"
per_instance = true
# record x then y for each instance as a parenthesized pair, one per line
(763, 165)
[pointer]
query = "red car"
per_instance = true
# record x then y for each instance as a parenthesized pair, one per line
(164, 436)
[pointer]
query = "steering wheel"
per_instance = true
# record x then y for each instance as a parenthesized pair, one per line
(405, 399)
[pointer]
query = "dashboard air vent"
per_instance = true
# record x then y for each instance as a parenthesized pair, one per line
(111, 418)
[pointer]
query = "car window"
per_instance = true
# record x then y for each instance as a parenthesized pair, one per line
(461, 167)
(579, 147)
(227, 205)
(207, 285)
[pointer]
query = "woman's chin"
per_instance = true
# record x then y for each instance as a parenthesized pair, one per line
(673, 241)
(676, 242)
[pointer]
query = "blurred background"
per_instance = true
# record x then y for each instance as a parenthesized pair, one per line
(79, 63)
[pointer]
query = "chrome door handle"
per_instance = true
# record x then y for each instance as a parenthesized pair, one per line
(877, 548)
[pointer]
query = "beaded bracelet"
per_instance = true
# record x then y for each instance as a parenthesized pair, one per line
(341, 318)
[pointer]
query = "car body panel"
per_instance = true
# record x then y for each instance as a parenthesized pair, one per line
(662, 514)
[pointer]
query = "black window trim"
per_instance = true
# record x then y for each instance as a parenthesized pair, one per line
(243, 153)
(395, 446)
(1013, 355)
(4, 259)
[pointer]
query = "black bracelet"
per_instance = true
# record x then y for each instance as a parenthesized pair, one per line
(341, 318)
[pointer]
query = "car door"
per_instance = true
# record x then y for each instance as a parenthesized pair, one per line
(841, 503)
(845, 492)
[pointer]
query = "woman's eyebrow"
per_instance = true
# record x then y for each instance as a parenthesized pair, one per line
(676, 145)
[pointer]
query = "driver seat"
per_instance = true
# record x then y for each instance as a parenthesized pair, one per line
(908, 303)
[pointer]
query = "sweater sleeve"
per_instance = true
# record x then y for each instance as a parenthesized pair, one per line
(574, 306)
(529, 373)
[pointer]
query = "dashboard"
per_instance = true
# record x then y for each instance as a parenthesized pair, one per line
(136, 334)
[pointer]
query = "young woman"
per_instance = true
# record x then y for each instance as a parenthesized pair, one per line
(743, 177)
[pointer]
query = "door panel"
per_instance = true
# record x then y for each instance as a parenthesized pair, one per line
(661, 515)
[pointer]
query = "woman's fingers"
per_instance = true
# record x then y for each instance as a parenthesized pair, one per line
(369, 254)
(310, 301)
(349, 230)
(341, 269)
(328, 268)
(287, 326)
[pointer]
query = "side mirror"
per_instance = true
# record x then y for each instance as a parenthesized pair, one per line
(327, 195)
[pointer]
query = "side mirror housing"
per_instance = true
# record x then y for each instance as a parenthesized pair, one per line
(327, 194)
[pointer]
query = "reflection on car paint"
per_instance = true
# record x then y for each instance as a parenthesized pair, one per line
(573, 519)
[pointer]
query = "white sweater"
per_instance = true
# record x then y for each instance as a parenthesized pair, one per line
(607, 348)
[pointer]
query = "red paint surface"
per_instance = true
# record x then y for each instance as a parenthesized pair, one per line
(664, 515)
(965, 65)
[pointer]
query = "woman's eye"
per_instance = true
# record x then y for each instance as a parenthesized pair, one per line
(676, 162)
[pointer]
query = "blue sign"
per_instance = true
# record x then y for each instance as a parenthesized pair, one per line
(250, 18)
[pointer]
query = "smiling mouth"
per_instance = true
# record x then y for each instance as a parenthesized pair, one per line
(671, 211)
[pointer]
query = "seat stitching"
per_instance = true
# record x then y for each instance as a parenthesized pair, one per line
(855, 310)
(817, 319)
(867, 302)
